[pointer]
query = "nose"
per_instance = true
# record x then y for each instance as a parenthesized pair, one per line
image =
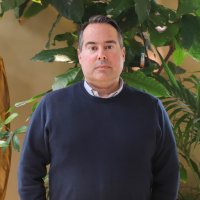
(102, 55)
(102, 58)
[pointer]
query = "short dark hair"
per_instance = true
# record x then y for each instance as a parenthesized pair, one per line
(99, 19)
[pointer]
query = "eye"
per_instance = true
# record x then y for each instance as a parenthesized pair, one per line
(108, 47)
(92, 48)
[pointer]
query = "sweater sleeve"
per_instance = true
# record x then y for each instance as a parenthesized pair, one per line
(165, 161)
(34, 157)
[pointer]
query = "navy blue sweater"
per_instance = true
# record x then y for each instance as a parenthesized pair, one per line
(121, 148)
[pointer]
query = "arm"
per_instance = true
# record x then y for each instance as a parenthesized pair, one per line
(165, 162)
(34, 157)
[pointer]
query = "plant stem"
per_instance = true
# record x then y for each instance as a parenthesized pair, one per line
(170, 52)
(145, 45)
(51, 31)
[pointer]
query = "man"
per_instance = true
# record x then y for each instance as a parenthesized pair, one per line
(102, 139)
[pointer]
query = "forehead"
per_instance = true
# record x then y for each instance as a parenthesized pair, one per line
(99, 33)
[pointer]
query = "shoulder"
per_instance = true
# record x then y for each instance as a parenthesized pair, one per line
(63, 92)
(140, 96)
(59, 97)
(149, 102)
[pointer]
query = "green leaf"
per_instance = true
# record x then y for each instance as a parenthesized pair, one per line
(198, 12)
(11, 4)
(142, 8)
(164, 82)
(162, 38)
(188, 130)
(175, 112)
(167, 102)
(32, 99)
(133, 47)
(20, 10)
(69, 37)
(35, 105)
(160, 15)
(171, 106)
(15, 142)
(142, 82)
(116, 7)
(194, 167)
(72, 9)
(3, 144)
(198, 98)
(20, 130)
(66, 79)
(124, 21)
(196, 79)
(179, 54)
(168, 71)
(180, 120)
(94, 8)
(186, 95)
(35, 8)
(187, 6)
(37, 1)
(183, 174)
(176, 69)
(67, 54)
(10, 118)
(4, 134)
(189, 37)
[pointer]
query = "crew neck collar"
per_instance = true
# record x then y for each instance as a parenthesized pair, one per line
(93, 92)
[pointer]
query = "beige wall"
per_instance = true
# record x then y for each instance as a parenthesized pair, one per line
(18, 43)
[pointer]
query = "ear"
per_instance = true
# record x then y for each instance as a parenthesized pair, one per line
(79, 55)
(123, 52)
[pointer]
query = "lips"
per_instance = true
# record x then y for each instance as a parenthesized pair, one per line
(102, 64)
(103, 67)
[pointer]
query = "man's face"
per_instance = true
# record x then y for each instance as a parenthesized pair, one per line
(101, 56)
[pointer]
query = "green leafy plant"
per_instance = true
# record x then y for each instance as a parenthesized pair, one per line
(8, 136)
(183, 107)
(145, 24)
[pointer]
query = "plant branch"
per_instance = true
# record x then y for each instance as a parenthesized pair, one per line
(145, 44)
(170, 52)
(51, 30)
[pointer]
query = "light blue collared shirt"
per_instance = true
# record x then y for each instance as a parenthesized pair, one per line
(93, 92)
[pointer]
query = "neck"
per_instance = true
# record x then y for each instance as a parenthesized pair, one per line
(105, 89)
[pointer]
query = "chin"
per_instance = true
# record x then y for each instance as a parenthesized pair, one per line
(103, 78)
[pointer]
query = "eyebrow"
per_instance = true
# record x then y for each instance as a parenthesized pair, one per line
(107, 42)
(111, 41)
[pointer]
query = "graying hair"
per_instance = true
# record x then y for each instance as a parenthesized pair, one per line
(99, 19)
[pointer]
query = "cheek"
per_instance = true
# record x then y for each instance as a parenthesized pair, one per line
(87, 59)
(87, 63)
(117, 59)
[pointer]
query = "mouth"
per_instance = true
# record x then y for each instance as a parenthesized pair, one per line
(103, 67)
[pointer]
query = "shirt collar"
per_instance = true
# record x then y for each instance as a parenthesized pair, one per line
(93, 92)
